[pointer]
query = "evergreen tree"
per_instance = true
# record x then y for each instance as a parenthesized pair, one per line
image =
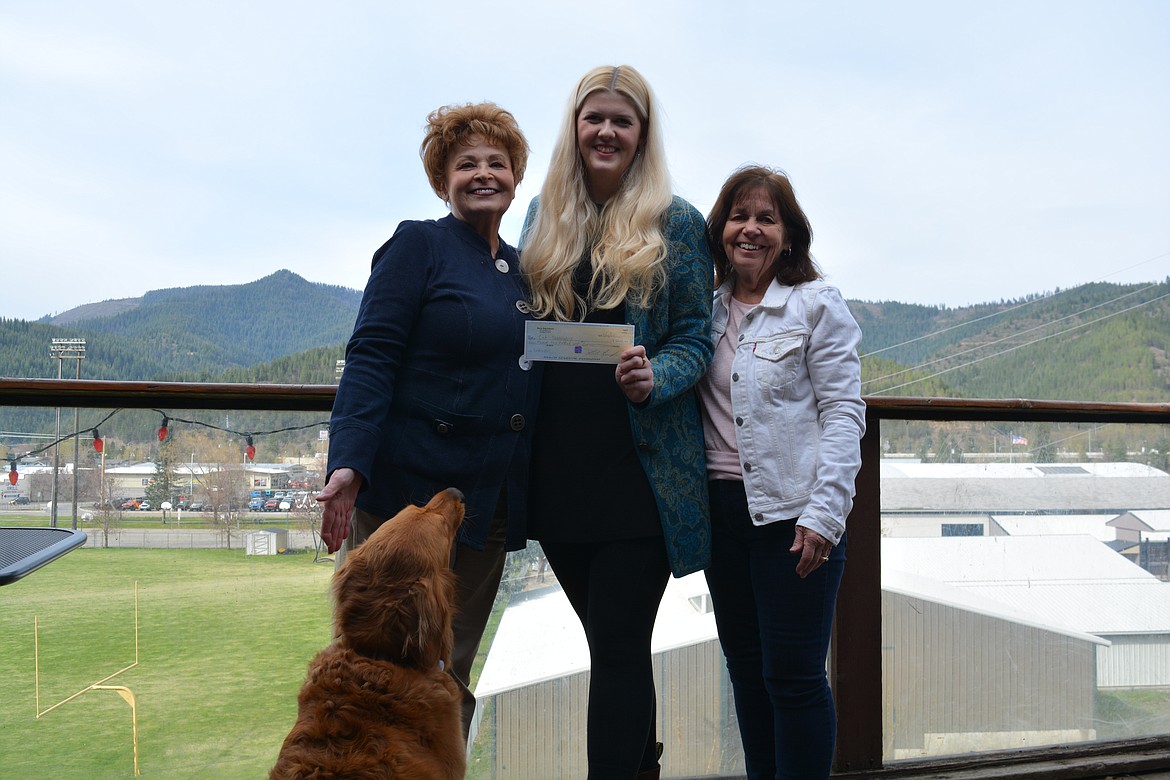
(1043, 450)
(162, 487)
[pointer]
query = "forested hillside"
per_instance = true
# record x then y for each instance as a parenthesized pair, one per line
(188, 332)
(312, 367)
(1097, 342)
(279, 329)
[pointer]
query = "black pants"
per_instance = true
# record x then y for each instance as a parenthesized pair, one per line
(615, 588)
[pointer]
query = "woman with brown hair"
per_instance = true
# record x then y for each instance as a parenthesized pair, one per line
(783, 419)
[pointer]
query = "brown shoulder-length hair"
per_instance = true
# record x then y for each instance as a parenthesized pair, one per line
(794, 264)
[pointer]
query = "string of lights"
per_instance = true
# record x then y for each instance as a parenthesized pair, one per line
(163, 431)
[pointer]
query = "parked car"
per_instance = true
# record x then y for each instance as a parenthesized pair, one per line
(197, 506)
(129, 504)
(145, 506)
(285, 505)
(271, 505)
(256, 504)
(20, 500)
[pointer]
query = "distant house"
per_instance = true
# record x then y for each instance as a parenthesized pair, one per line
(272, 476)
(129, 480)
(1147, 534)
(1143, 525)
(132, 479)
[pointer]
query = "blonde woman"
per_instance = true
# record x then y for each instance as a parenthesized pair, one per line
(618, 491)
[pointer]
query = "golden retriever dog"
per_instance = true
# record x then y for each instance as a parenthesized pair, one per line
(377, 703)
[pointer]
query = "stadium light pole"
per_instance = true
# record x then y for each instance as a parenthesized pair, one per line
(62, 350)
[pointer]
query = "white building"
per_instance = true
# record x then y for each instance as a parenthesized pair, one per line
(1074, 582)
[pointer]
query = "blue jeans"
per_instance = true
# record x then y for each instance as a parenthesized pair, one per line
(774, 628)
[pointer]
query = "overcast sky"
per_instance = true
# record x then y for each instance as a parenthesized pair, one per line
(946, 152)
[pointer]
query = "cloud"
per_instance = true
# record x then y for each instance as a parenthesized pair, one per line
(945, 154)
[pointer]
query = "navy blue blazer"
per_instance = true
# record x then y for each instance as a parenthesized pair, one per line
(435, 392)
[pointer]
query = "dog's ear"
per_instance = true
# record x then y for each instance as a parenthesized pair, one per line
(408, 623)
(421, 622)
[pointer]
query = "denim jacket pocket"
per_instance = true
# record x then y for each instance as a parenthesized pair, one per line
(777, 359)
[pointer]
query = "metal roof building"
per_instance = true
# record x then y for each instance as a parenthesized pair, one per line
(1080, 488)
(1071, 581)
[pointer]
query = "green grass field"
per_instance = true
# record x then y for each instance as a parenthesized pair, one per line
(189, 520)
(224, 640)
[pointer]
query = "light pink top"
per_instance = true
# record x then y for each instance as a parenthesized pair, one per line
(715, 401)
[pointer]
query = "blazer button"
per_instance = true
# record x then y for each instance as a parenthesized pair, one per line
(442, 428)
(739, 421)
(747, 467)
(759, 517)
(517, 422)
(735, 377)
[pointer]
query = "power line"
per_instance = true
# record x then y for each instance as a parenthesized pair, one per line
(1018, 306)
(1020, 346)
(1012, 336)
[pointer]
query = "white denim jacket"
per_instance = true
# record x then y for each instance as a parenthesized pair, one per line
(796, 402)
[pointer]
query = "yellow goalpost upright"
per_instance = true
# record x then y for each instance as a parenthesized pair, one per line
(121, 690)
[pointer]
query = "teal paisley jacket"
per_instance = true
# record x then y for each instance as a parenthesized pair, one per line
(667, 428)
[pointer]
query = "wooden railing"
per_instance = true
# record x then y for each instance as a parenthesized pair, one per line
(857, 671)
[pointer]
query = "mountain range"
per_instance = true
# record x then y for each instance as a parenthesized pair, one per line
(202, 333)
(1095, 342)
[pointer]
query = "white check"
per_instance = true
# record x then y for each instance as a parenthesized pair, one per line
(576, 342)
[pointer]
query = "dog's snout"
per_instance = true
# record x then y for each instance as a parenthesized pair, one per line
(457, 493)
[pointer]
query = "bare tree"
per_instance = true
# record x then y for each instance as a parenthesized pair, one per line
(106, 516)
(219, 476)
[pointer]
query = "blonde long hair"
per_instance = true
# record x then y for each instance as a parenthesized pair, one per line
(624, 237)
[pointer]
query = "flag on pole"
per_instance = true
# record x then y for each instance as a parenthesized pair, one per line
(1019, 440)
